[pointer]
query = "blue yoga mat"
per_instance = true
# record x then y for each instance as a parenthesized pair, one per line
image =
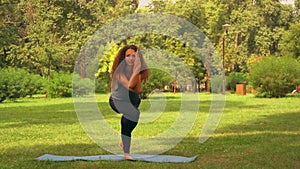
(137, 157)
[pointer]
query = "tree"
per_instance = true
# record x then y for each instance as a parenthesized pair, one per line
(290, 43)
(192, 11)
(9, 26)
(49, 35)
(256, 28)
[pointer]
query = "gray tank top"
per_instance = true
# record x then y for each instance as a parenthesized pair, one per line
(123, 94)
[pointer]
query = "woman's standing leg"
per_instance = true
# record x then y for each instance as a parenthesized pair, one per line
(127, 127)
(129, 121)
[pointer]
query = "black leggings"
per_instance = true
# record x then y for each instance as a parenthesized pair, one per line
(127, 125)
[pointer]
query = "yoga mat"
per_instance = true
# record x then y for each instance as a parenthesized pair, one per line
(137, 157)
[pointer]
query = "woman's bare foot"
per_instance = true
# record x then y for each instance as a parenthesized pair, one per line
(128, 157)
(121, 146)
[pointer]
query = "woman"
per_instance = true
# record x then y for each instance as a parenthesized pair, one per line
(128, 72)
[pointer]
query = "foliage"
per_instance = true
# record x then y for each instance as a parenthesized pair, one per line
(102, 77)
(256, 28)
(60, 85)
(102, 82)
(82, 87)
(64, 84)
(216, 84)
(290, 43)
(158, 80)
(235, 78)
(275, 77)
(43, 36)
(16, 83)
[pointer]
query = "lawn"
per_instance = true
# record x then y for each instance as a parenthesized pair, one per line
(253, 133)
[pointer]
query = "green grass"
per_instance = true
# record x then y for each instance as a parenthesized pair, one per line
(253, 133)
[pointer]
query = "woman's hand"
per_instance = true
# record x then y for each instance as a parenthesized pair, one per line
(137, 63)
(134, 84)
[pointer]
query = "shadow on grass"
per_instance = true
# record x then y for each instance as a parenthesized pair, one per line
(19, 116)
(265, 141)
(270, 141)
(23, 156)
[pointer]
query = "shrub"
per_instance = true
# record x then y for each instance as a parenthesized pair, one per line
(275, 77)
(102, 82)
(16, 83)
(65, 84)
(60, 84)
(82, 87)
(235, 78)
(158, 79)
(216, 82)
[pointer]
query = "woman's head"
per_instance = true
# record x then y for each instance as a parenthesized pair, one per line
(121, 55)
(130, 55)
(125, 52)
(126, 56)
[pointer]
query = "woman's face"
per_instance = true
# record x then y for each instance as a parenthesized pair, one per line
(130, 57)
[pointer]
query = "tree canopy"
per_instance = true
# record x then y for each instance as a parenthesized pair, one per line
(42, 36)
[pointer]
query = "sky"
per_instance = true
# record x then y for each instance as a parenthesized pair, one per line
(287, 1)
(144, 3)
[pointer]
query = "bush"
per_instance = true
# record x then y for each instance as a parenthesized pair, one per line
(65, 84)
(82, 87)
(102, 82)
(60, 84)
(275, 77)
(16, 83)
(235, 78)
(158, 79)
(216, 82)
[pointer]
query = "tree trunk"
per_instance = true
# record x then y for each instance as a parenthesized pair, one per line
(82, 66)
(236, 41)
(174, 86)
(49, 78)
(207, 65)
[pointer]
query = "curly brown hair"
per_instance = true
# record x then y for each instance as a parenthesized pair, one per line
(145, 72)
